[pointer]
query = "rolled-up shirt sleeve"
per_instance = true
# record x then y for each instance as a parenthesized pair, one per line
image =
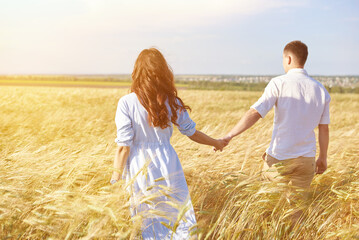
(266, 102)
(124, 127)
(185, 124)
(325, 118)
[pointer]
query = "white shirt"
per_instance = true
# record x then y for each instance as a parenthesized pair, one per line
(300, 104)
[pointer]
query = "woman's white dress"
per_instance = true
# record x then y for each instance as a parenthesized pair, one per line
(153, 172)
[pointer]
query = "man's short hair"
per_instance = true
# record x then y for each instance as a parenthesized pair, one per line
(298, 49)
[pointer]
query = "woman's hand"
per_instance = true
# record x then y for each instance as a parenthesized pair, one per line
(227, 139)
(115, 177)
(220, 144)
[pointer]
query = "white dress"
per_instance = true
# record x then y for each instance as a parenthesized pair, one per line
(153, 172)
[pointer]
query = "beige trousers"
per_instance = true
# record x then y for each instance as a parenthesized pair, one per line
(296, 173)
(299, 172)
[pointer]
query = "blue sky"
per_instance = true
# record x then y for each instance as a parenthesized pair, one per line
(196, 36)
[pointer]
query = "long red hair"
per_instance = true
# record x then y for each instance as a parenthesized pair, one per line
(153, 83)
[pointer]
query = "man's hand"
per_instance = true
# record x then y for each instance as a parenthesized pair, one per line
(321, 165)
(227, 139)
(222, 142)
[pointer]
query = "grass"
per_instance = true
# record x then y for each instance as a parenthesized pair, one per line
(56, 156)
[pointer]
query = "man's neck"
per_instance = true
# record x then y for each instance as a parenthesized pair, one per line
(297, 70)
(296, 67)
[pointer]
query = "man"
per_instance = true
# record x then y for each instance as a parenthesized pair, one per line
(301, 104)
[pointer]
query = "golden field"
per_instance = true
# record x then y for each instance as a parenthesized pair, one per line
(56, 157)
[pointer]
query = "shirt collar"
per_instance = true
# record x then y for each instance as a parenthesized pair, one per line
(298, 70)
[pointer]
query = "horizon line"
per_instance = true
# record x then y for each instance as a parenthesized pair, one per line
(177, 74)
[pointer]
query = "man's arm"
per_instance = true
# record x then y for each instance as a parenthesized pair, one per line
(247, 121)
(323, 138)
(258, 110)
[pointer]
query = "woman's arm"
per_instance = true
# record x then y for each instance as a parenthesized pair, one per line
(202, 138)
(120, 162)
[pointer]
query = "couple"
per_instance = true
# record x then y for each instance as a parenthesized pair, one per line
(150, 165)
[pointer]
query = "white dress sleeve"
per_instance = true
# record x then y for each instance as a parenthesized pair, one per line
(124, 127)
(267, 100)
(185, 124)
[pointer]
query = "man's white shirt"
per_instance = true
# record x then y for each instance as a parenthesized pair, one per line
(300, 104)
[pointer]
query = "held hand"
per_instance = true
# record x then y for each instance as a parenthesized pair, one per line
(321, 165)
(221, 143)
(115, 177)
(227, 139)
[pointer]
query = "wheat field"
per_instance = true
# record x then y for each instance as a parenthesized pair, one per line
(56, 156)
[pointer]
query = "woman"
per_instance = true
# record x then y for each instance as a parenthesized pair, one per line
(145, 157)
